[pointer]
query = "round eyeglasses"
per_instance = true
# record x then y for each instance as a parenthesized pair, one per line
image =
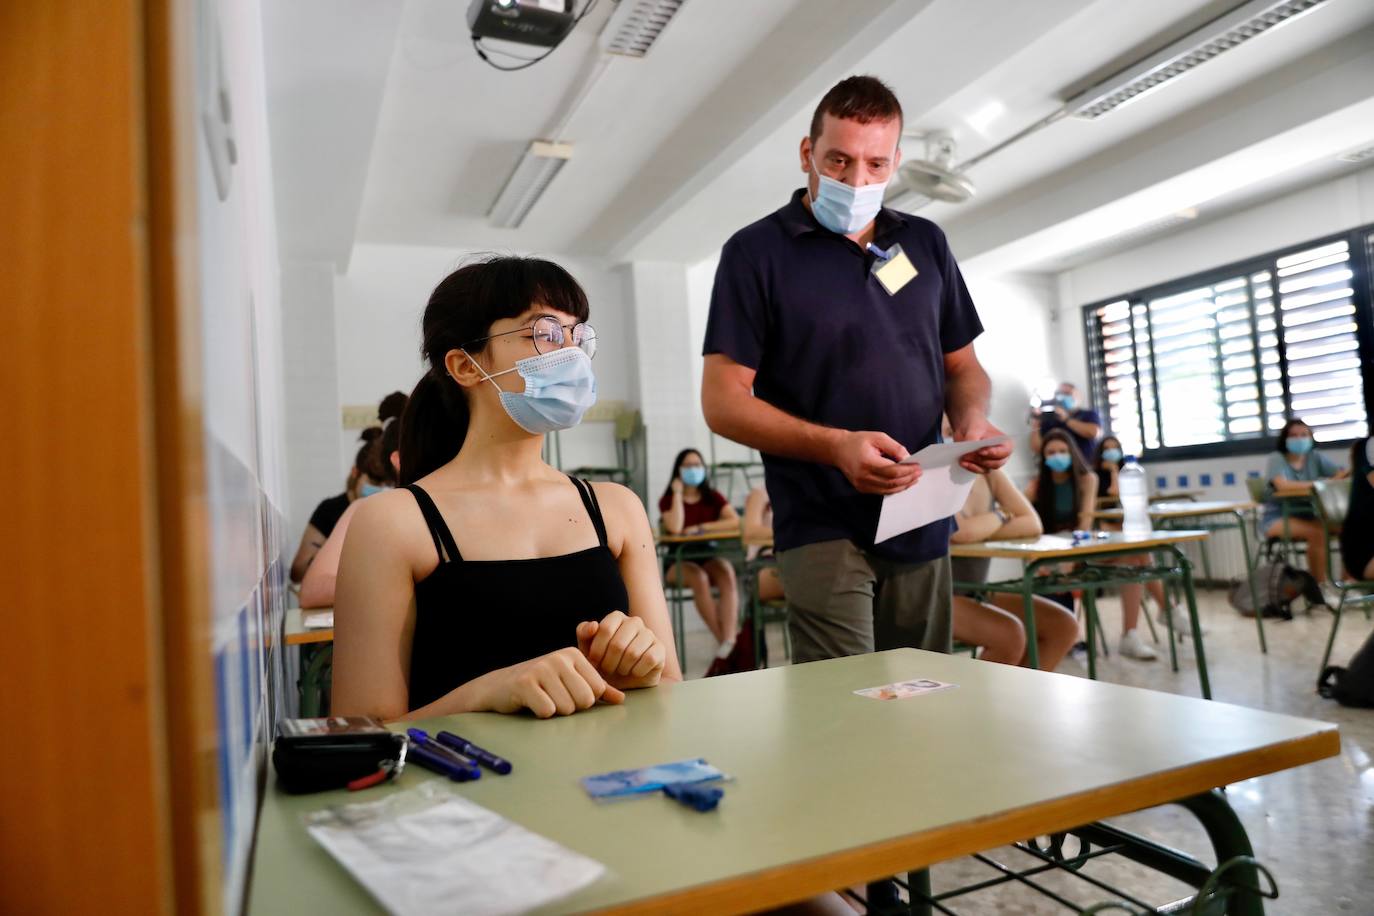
(548, 335)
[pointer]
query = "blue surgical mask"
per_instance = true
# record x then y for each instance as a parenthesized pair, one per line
(559, 388)
(694, 476)
(842, 208)
(370, 489)
(1059, 461)
(1111, 454)
(1064, 400)
(1299, 445)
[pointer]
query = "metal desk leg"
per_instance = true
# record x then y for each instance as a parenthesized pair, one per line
(1230, 841)
(679, 625)
(1028, 595)
(316, 658)
(1250, 578)
(1090, 612)
(1169, 626)
(918, 883)
(1187, 569)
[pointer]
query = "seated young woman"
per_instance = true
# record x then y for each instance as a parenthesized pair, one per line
(1291, 471)
(995, 510)
(690, 505)
(758, 529)
(330, 510)
(1110, 457)
(1357, 534)
(1064, 494)
(490, 580)
(380, 466)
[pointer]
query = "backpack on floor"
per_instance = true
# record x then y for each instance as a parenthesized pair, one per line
(1277, 585)
(1352, 685)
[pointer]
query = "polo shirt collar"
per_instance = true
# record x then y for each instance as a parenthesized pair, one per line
(797, 219)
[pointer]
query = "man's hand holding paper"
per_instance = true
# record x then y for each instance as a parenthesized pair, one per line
(944, 485)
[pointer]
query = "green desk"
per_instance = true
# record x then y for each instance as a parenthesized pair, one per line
(831, 789)
(1054, 549)
(317, 654)
(1209, 515)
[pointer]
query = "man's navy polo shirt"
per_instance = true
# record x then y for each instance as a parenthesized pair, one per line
(796, 303)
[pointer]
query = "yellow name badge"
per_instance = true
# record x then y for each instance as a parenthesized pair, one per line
(894, 272)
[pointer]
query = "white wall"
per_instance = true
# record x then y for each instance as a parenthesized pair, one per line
(243, 418)
(378, 306)
(312, 388)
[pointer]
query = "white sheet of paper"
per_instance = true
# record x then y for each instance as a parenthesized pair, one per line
(939, 493)
(323, 620)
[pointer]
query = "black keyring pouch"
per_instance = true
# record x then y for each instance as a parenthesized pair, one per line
(312, 755)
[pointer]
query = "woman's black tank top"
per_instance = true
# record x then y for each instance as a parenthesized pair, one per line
(475, 616)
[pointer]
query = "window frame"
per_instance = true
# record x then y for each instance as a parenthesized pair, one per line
(1360, 240)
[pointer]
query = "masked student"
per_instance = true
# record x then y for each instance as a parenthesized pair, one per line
(690, 505)
(382, 462)
(1291, 471)
(490, 580)
(363, 479)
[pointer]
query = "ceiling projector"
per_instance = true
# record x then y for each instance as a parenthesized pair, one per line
(531, 22)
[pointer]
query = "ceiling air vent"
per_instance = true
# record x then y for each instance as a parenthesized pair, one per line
(1215, 38)
(636, 24)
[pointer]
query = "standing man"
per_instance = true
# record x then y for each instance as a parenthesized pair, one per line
(1064, 413)
(839, 331)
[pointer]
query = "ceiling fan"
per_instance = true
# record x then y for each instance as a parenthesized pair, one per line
(920, 181)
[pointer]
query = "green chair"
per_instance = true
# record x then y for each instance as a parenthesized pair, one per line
(1332, 502)
(1266, 546)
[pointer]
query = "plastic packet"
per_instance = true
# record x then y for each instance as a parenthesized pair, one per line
(428, 850)
(650, 779)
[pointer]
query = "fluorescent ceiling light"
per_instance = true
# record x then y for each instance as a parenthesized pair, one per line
(533, 174)
(636, 24)
(1197, 47)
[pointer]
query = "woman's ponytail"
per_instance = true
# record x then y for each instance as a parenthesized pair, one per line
(433, 427)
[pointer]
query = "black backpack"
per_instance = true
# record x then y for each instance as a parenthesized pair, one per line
(1277, 585)
(1352, 685)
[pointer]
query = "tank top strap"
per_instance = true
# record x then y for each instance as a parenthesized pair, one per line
(584, 489)
(444, 544)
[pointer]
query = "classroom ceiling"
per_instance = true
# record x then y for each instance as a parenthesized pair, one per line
(386, 127)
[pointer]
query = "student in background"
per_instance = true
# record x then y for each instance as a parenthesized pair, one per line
(1108, 469)
(382, 462)
(996, 510)
(492, 581)
(329, 511)
(1082, 423)
(758, 526)
(1064, 494)
(690, 505)
(1290, 472)
(1357, 534)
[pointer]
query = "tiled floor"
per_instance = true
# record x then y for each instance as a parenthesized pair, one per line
(1313, 827)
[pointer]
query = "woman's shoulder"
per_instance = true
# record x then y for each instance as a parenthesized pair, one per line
(617, 498)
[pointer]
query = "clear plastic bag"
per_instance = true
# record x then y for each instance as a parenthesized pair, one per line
(428, 850)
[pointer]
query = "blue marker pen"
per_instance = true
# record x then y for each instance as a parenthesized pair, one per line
(425, 756)
(878, 252)
(455, 760)
(464, 746)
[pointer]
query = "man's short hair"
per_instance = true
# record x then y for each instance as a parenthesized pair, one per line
(857, 98)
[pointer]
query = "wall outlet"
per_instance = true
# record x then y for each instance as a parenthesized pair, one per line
(1204, 480)
(1229, 478)
(359, 416)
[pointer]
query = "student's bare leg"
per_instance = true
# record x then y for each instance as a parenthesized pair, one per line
(1056, 628)
(695, 578)
(722, 576)
(1000, 633)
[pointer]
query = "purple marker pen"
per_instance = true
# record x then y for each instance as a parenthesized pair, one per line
(420, 738)
(464, 746)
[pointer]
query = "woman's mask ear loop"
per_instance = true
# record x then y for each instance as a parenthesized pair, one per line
(488, 378)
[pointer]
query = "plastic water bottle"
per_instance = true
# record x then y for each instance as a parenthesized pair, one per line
(1135, 501)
